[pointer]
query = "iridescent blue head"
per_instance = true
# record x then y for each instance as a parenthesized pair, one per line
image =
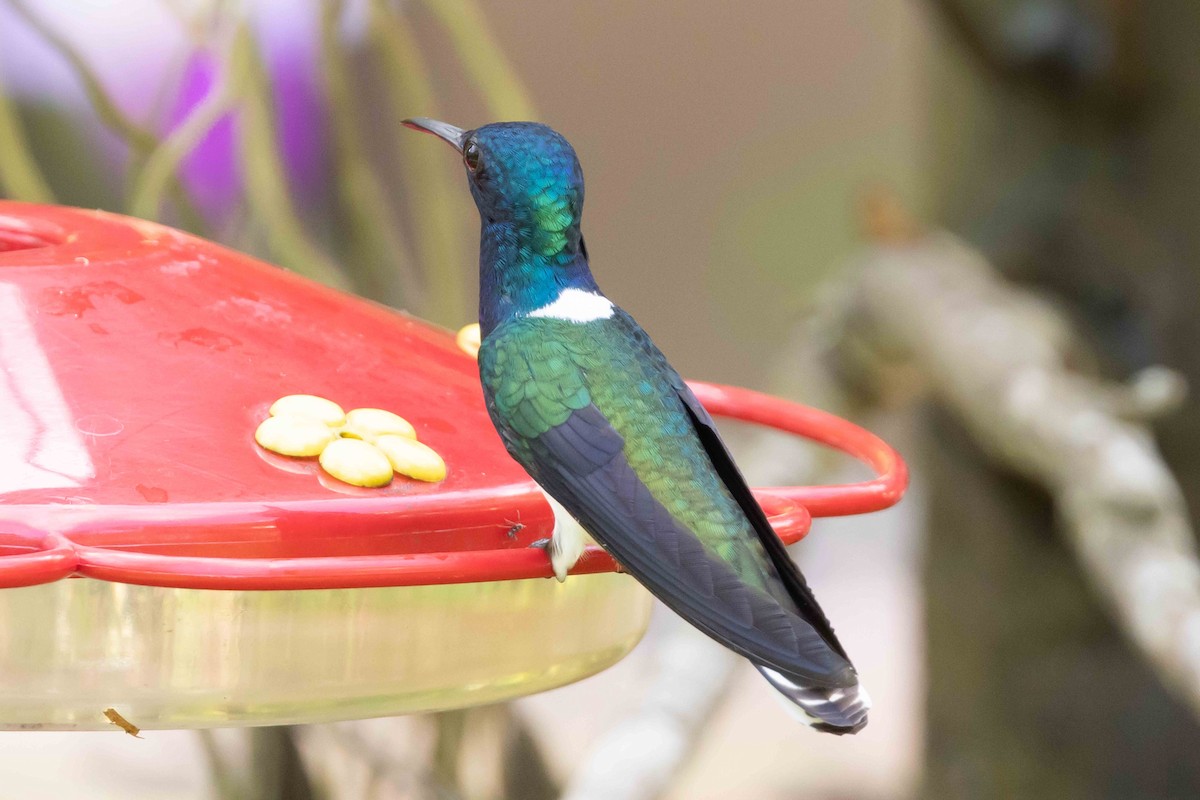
(528, 187)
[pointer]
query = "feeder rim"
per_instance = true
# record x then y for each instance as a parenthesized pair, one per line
(52, 556)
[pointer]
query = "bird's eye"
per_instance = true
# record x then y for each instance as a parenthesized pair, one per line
(472, 157)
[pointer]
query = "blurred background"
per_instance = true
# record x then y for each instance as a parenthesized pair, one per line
(754, 171)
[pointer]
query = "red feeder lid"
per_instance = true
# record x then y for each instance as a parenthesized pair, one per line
(138, 362)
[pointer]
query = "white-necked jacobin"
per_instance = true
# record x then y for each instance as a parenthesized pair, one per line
(587, 404)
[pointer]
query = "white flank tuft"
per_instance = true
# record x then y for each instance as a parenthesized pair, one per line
(567, 542)
(576, 305)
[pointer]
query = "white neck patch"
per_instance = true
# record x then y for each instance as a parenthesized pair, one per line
(576, 305)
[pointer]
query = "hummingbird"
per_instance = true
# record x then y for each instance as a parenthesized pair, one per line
(589, 406)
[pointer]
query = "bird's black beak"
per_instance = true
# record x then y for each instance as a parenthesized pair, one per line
(442, 130)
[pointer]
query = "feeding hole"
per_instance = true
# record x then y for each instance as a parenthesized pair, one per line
(24, 234)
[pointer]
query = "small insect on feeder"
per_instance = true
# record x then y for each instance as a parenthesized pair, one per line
(157, 561)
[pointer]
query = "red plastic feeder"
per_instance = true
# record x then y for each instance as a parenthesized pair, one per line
(137, 363)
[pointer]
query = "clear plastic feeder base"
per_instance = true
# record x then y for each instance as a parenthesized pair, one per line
(195, 658)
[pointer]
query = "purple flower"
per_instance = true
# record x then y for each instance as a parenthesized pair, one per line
(135, 47)
(212, 172)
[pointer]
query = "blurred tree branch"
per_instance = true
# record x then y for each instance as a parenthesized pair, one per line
(638, 758)
(525, 771)
(449, 735)
(226, 784)
(277, 771)
(271, 767)
(998, 357)
(353, 761)
(1053, 47)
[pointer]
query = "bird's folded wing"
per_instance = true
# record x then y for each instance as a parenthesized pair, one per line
(731, 476)
(581, 463)
(539, 395)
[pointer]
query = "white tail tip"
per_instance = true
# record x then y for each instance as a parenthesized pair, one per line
(838, 711)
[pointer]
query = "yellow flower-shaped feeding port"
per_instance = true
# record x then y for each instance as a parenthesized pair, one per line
(365, 447)
(356, 462)
(468, 339)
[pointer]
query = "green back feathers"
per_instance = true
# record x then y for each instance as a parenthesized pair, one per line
(538, 371)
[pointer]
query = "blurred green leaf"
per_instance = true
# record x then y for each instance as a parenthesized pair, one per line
(19, 173)
(162, 163)
(381, 261)
(266, 184)
(141, 142)
(433, 201)
(483, 59)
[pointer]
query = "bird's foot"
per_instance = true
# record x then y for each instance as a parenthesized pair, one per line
(561, 559)
(566, 544)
